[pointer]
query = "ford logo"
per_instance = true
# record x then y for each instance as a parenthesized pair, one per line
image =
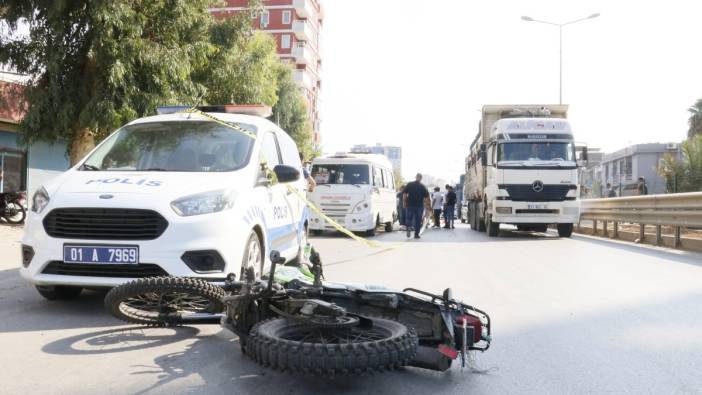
(106, 196)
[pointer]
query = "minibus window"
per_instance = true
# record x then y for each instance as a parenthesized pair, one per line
(341, 174)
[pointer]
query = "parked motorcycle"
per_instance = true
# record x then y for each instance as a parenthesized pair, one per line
(294, 321)
(12, 207)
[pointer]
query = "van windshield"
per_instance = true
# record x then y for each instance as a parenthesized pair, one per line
(341, 174)
(191, 146)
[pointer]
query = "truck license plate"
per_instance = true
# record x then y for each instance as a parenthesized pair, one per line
(536, 206)
(107, 255)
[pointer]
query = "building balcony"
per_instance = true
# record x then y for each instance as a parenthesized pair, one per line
(303, 31)
(305, 8)
(304, 79)
(303, 54)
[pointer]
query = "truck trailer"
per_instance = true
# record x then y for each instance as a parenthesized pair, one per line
(522, 169)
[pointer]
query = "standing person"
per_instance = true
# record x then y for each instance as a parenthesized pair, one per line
(641, 187)
(401, 211)
(415, 197)
(450, 207)
(437, 199)
(311, 184)
(610, 191)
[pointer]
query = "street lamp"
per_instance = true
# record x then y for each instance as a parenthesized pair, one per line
(560, 46)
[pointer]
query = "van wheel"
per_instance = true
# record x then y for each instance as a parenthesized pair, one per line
(301, 250)
(565, 230)
(253, 255)
(58, 292)
(493, 228)
(389, 226)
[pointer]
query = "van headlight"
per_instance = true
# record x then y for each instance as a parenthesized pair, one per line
(360, 207)
(204, 203)
(40, 200)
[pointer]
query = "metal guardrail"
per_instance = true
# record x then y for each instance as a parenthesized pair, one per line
(677, 210)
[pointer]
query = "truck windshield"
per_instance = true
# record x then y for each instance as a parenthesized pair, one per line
(341, 174)
(190, 146)
(536, 151)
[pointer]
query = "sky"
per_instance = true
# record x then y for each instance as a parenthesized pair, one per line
(416, 73)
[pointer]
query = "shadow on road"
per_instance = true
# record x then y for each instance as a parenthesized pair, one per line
(23, 309)
(118, 340)
(219, 363)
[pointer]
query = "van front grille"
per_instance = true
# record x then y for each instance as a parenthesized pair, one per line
(104, 224)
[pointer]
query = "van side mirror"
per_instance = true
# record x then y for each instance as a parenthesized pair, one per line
(286, 173)
(483, 155)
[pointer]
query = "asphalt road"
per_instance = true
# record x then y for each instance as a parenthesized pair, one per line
(577, 315)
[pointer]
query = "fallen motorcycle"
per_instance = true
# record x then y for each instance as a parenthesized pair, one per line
(294, 321)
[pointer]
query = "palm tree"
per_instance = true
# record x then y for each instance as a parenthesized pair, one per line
(695, 120)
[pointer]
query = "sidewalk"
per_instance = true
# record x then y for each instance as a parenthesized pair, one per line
(10, 255)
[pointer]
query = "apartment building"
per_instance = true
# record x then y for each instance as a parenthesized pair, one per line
(296, 26)
(393, 153)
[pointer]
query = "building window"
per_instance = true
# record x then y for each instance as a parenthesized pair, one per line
(628, 167)
(285, 41)
(265, 18)
(287, 17)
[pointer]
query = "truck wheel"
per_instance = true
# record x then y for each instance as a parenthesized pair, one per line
(298, 347)
(389, 227)
(541, 228)
(565, 230)
(493, 228)
(317, 232)
(58, 292)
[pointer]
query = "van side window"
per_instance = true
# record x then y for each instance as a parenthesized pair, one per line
(269, 150)
(377, 177)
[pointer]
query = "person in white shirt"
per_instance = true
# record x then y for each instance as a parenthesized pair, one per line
(437, 201)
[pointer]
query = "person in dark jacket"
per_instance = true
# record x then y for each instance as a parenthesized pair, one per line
(401, 211)
(641, 187)
(415, 197)
(450, 208)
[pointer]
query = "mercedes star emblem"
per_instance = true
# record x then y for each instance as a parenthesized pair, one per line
(537, 186)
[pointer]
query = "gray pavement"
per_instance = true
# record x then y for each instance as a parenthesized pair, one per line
(577, 315)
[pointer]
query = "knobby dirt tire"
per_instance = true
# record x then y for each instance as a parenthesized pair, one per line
(160, 286)
(266, 346)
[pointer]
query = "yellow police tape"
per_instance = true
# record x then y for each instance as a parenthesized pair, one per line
(336, 225)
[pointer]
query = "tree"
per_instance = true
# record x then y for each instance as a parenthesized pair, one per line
(695, 120)
(95, 65)
(243, 68)
(290, 111)
(684, 175)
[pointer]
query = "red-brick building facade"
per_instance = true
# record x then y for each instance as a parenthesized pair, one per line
(296, 26)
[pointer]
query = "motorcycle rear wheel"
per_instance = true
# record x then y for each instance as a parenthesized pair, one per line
(298, 347)
(166, 301)
(14, 213)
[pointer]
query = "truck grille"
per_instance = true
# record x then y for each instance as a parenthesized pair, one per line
(526, 193)
(119, 271)
(104, 224)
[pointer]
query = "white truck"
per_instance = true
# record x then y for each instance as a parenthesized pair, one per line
(522, 170)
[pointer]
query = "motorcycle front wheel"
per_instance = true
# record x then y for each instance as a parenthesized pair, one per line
(166, 301)
(375, 345)
(14, 213)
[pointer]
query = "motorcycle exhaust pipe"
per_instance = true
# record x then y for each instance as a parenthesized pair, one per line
(430, 358)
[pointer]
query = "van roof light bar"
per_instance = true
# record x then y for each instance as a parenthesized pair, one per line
(258, 110)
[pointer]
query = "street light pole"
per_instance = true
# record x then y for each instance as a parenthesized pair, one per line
(560, 46)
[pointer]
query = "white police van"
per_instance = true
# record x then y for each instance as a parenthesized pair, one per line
(177, 194)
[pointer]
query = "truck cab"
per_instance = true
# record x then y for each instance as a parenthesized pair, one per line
(523, 171)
